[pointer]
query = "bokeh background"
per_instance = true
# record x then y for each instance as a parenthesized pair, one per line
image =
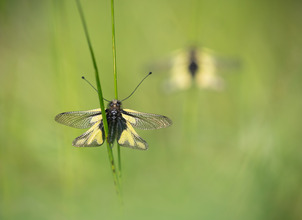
(234, 154)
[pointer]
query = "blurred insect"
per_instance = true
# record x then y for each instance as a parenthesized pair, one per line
(120, 124)
(196, 66)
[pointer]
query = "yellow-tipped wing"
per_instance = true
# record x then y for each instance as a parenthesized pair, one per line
(92, 138)
(180, 78)
(129, 138)
(85, 119)
(207, 76)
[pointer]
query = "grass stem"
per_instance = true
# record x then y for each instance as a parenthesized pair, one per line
(100, 95)
(115, 79)
(114, 49)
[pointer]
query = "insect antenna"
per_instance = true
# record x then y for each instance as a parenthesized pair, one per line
(137, 87)
(93, 87)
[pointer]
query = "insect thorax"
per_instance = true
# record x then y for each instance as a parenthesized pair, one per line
(114, 109)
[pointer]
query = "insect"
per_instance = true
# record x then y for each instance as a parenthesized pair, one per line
(199, 66)
(121, 124)
(194, 66)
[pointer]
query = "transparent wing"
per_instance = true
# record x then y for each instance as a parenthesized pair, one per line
(127, 137)
(145, 121)
(80, 119)
(94, 137)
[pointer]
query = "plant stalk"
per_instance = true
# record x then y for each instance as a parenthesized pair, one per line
(115, 80)
(101, 100)
(114, 49)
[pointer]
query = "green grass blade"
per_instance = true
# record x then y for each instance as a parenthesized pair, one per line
(100, 95)
(115, 79)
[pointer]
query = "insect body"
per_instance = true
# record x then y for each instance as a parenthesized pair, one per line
(121, 123)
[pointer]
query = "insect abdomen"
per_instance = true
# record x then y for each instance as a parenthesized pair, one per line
(113, 116)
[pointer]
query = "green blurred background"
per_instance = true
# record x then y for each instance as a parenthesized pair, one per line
(234, 154)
